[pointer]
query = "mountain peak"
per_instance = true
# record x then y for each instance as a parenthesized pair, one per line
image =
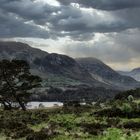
(18, 50)
(12, 45)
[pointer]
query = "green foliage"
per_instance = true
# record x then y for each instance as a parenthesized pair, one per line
(130, 98)
(65, 120)
(117, 134)
(126, 108)
(124, 95)
(78, 123)
(70, 125)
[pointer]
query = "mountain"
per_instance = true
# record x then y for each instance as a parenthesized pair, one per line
(63, 65)
(12, 50)
(47, 65)
(135, 73)
(62, 70)
(105, 74)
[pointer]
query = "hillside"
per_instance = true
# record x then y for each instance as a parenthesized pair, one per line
(54, 68)
(47, 65)
(135, 73)
(105, 74)
(65, 66)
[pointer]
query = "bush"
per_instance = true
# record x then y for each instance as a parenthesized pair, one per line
(126, 108)
(130, 98)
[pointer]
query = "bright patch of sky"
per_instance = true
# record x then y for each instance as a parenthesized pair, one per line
(50, 2)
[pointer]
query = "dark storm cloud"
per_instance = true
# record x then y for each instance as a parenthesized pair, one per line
(66, 20)
(29, 9)
(10, 26)
(77, 23)
(104, 4)
(16, 18)
(130, 16)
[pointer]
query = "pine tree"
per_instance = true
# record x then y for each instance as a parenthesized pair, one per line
(16, 83)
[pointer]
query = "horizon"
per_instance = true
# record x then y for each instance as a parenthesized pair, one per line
(106, 30)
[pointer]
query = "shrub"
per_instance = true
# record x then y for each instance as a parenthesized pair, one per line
(126, 108)
(130, 98)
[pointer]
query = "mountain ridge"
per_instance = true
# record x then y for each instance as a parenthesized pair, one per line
(102, 71)
(45, 64)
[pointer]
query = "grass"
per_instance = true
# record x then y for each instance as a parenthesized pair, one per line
(68, 124)
(118, 134)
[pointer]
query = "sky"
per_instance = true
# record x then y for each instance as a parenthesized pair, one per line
(105, 29)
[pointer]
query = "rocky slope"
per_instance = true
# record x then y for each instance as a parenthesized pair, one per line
(105, 74)
(135, 73)
(63, 65)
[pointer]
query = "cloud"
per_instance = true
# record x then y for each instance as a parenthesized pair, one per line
(11, 26)
(60, 21)
(104, 4)
(33, 18)
(130, 16)
(20, 18)
(112, 48)
(79, 23)
(29, 9)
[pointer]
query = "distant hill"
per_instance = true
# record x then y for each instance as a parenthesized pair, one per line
(105, 74)
(135, 73)
(63, 70)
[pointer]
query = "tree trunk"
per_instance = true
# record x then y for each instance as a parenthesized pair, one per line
(21, 104)
(9, 104)
(6, 107)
